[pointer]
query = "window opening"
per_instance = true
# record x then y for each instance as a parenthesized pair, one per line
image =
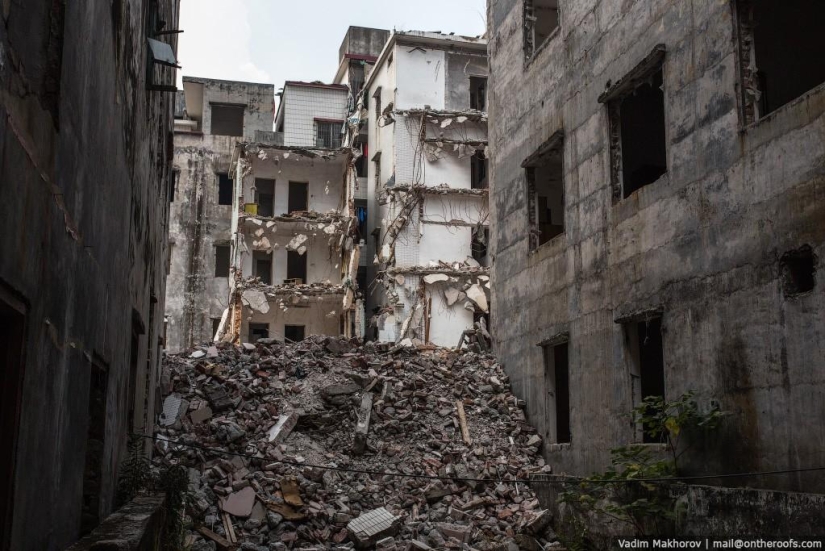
(222, 260)
(544, 172)
(95, 443)
(298, 197)
(798, 271)
(258, 331)
(647, 365)
(262, 267)
(296, 267)
(224, 189)
(227, 120)
(265, 197)
(478, 93)
(478, 171)
(779, 45)
(557, 382)
(541, 18)
(328, 134)
(294, 333)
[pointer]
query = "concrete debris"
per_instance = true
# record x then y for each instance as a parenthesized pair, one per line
(476, 294)
(256, 300)
(276, 458)
(297, 244)
(451, 295)
(435, 278)
(173, 406)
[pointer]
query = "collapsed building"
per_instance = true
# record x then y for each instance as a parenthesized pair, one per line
(300, 210)
(211, 117)
(86, 110)
(658, 206)
(424, 108)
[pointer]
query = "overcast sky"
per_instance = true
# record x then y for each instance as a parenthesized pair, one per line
(276, 40)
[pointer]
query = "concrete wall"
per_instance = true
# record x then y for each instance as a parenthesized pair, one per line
(702, 243)
(198, 222)
(303, 104)
(84, 177)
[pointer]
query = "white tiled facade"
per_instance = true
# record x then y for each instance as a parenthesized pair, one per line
(303, 104)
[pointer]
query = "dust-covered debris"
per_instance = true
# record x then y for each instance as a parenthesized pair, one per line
(302, 440)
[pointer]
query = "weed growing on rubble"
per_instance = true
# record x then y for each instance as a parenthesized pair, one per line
(624, 493)
(135, 474)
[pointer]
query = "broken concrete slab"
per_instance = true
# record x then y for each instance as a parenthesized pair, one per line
(240, 503)
(372, 526)
(339, 394)
(451, 295)
(280, 430)
(200, 415)
(476, 294)
(256, 300)
(435, 278)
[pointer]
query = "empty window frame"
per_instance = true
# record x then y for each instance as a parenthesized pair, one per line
(294, 333)
(780, 46)
(636, 113)
(544, 173)
(265, 196)
(222, 262)
(478, 171)
(479, 243)
(95, 443)
(328, 134)
(541, 19)
(224, 189)
(557, 384)
(258, 331)
(262, 267)
(296, 267)
(12, 364)
(478, 93)
(376, 96)
(216, 323)
(647, 365)
(298, 197)
(361, 166)
(376, 165)
(227, 120)
(798, 271)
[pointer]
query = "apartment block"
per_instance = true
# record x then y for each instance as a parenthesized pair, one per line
(658, 225)
(424, 107)
(212, 117)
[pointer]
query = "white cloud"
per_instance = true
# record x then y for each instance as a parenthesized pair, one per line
(216, 41)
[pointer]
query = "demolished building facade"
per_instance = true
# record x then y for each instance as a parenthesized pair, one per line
(86, 111)
(658, 206)
(424, 108)
(212, 117)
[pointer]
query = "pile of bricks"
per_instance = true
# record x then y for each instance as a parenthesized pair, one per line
(327, 443)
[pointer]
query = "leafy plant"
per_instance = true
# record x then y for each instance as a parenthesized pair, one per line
(135, 475)
(635, 489)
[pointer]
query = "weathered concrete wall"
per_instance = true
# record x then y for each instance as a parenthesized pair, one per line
(702, 243)
(137, 526)
(84, 179)
(198, 222)
(303, 104)
(320, 315)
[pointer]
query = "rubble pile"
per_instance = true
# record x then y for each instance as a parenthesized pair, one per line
(329, 444)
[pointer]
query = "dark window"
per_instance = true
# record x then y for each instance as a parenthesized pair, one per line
(262, 267)
(258, 331)
(224, 189)
(478, 171)
(780, 45)
(641, 120)
(173, 184)
(294, 333)
(298, 197)
(480, 240)
(361, 162)
(328, 134)
(12, 341)
(541, 18)
(216, 323)
(798, 271)
(648, 364)
(544, 172)
(557, 380)
(227, 120)
(478, 93)
(356, 77)
(265, 197)
(222, 260)
(95, 434)
(377, 97)
(362, 278)
(296, 267)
